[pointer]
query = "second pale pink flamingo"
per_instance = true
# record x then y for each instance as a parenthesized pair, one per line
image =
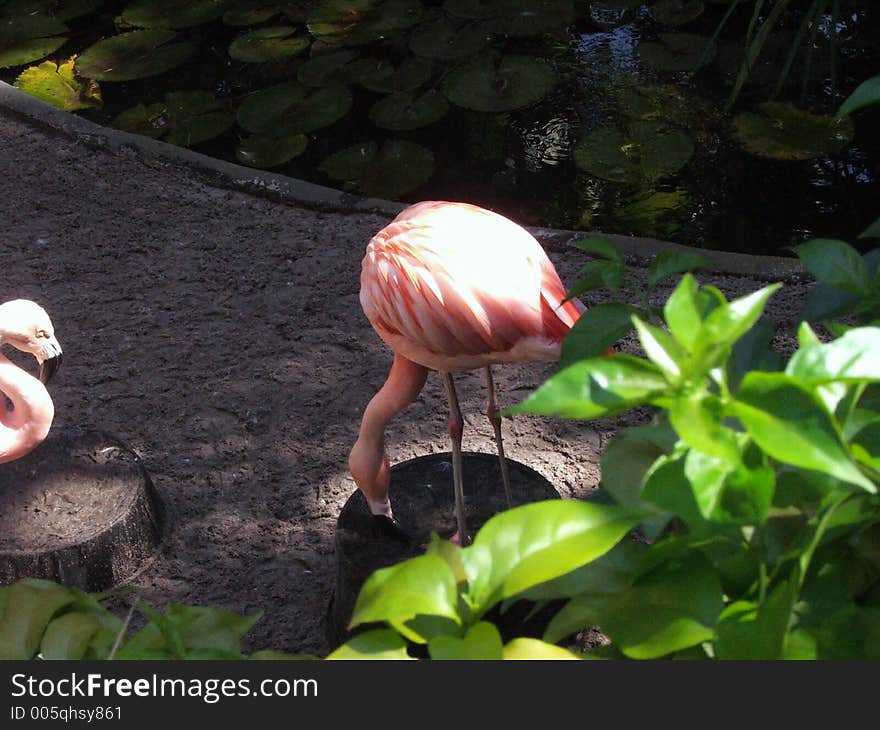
(26, 410)
(452, 287)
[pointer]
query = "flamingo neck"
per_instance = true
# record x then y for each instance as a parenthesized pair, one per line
(368, 461)
(27, 424)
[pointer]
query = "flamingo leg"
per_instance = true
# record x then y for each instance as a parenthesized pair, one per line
(492, 414)
(455, 430)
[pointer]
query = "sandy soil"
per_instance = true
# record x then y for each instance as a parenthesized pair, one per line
(220, 335)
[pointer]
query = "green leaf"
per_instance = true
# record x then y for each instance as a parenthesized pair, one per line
(405, 111)
(184, 628)
(596, 275)
(184, 118)
(612, 572)
(784, 132)
(449, 552)
(525, 648)
(422, 585)
(263, 151)
(671, 608)
(697, 420)
(868, 92)
(661, 348)
(668, 263)
(667, 486)
(579, 613)
(851, 358)
(836, 264)
(600, 246)
(725, 324)
(268, 44)
(376, 644)
(747, 631)
(792, 425)
(872, 231)
(629, 456)
(596, 387)
(496, 83)
(394, 169)
(537, 542)
(687, 308)
(597, 329)
(482, 641)
(753, 351)
(173, 13)
(69, 635)
(731, 494)
(56, 85)
(133, 55)
(30, 604)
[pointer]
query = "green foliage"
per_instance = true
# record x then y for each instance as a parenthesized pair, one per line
(848, 283)
(56, 84)
(604, 324)
(755, 488)
(42, 619)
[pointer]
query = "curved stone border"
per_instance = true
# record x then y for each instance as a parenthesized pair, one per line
(290, 190)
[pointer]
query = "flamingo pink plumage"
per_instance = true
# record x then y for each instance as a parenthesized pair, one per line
(26, 411)
(452, 287)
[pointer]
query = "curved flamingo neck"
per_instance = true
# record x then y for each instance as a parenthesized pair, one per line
(368, 461)
(27, 424)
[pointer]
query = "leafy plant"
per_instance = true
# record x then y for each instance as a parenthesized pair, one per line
(42, 619)
(754, 489)
(602, 325)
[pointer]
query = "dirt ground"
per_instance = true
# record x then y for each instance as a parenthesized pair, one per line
(220, 335)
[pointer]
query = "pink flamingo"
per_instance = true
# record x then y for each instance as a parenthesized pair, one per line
(26, 411)
(451, 287)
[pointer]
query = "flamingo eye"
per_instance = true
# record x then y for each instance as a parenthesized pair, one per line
(42, 334)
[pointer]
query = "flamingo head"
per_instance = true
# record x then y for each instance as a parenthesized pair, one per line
(26, 326)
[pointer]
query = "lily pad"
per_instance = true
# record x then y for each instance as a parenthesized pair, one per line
(384, 77)
(405, 111)
(675, 52)
(57, 85)
(184, 118)
(658, 214)
(133, 55)
(268, 44)
(28, 37)
(173, 14)
(389, 171)
(250, 13)
(522, 18)
(442, 40)
(289, 109)
(784, 132)
(326, 67)
(677, 12)
(265, 151)
(495, 83)
(664, 102)
(642, 151)
(359, 22)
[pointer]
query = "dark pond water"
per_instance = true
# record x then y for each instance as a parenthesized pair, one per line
(614, 115)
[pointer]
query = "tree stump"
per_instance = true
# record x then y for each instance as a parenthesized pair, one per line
(81, 510)
(423, 501)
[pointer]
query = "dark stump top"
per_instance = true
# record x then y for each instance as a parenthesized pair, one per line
(423, 501)
(79, 509)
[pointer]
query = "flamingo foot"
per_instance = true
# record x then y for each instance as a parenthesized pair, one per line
(390, 527)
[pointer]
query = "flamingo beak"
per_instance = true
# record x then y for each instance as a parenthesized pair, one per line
(51, 360)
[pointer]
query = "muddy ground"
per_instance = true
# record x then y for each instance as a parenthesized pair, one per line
(221, 336)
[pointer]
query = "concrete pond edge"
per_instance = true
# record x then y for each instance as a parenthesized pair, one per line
(293, 191)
